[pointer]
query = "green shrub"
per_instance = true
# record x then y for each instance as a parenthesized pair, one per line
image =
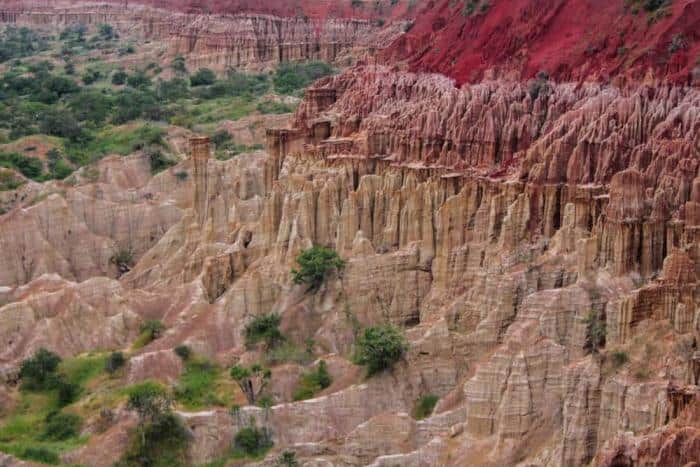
(314, 264)
(252, 441)
(39, 371)
(159, 443)
(123, 258)
(595, 332)
(619, 358)
(287, 459)
(264, 328)
(220, 138)
(40, 454)
(119, 77)
(154, 327)
(424, 406)
(181, 175)
(202, 77)
(183, 352)
(273, 107)
(61, 426)
(252, 380)
(312, 382)
(178, 64)
(197, 385)
(30, 167)
(67, 392)
(149, 400)
(115, 361)
(158, 161)
(138, 80)
(380, 347)
(292, 77)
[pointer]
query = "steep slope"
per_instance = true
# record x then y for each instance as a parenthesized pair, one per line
(571, 40)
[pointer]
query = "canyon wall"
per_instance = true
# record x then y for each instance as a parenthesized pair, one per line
(244, 37)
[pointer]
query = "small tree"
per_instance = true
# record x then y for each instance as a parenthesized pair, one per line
(314, 264)
(202, 77)
(380, 347)
(115, 361)
(264, 328)
(39, 371)
(252, 440)
(595, 332)
(252, 381)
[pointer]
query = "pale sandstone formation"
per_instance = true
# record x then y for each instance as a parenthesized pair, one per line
(486, 223)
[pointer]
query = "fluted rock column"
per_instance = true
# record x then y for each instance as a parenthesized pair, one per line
(199, 148)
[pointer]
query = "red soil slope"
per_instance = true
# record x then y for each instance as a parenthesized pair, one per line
(570, 39)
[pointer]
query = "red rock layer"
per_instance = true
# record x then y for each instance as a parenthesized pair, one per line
(569, 39)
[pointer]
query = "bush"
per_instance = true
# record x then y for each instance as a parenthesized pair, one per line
(39, 371)
(158, 161)
(313, 382)
(595, 332)
(619, 358)
(149, 400)
(292, 77)
(61, 123)
(153, 328)
(314, 264)
(30, 167)
(61, 426)
(380, 347)
(123, 258)
(115, 361)
(220, 138)
(40, 454)
(160, 443)
(119, 77)
(67, 392)
(252, 441)
(178, 64)
(197, 386)
(183, 352)
(138, 80)
(264, 328)
(202, 77)
(425, 406)
(287, 459)
(273, 107)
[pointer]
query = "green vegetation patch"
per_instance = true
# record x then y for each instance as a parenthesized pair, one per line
(291, 78)
(198, 386)
(312, 382)
(424, 406)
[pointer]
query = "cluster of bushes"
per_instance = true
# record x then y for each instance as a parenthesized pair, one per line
(20, 42)
(40, 373)
(290, 78)
(161, 438)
